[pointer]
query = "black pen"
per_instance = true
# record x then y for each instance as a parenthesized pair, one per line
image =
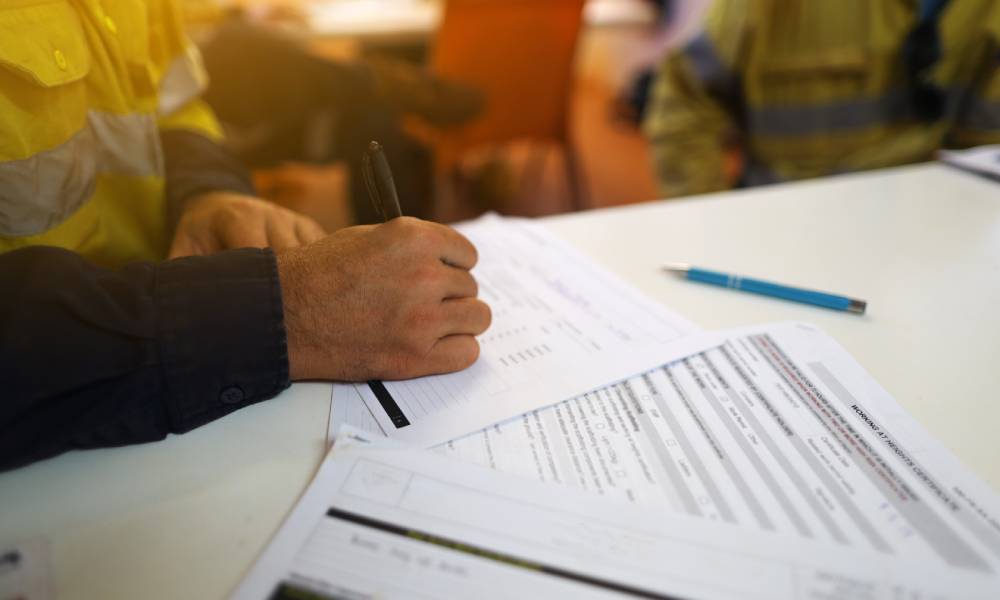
(378, 180)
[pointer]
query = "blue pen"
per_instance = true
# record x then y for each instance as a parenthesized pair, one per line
(768, 288)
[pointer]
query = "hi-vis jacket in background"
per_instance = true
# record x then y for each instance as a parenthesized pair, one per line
(88, 89)
(814, 87)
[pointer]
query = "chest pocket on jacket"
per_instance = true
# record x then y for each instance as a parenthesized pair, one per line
(44, 59)
(822, 94)
(129, 19)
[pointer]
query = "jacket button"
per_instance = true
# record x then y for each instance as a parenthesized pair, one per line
(60, 59)
(231, 395)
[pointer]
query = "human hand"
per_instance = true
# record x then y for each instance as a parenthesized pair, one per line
(390, 301)
(222, 220)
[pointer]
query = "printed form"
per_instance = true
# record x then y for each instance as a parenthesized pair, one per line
(778, 429)
(562, 326)
(390, 522)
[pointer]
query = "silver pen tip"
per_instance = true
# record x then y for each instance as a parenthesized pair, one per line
(857, 307)
(676, 268)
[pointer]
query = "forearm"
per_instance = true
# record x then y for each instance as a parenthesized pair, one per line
(195, 164)
(195, 160)
(91, 357)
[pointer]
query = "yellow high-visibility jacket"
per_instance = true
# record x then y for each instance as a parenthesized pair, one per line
(86, 89)
(817, 87)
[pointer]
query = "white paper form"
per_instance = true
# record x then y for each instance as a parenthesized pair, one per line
(347, 408)
(398, 523)
(561, 326)
(777, 430)
(984, 160)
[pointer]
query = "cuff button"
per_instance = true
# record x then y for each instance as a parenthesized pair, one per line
(231, 395)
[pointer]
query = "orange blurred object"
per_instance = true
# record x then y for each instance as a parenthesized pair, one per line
(317, 191)
(520, 53)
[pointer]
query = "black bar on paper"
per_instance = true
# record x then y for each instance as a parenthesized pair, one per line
(389, 405)
(507, 559)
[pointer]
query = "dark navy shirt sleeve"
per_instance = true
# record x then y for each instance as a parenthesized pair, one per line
(195, 164)
(91, 357)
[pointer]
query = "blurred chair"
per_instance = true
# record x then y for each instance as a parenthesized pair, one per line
(520, 53)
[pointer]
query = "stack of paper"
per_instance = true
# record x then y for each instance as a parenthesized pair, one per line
(763, 463)
(562, 326)
(983, 160)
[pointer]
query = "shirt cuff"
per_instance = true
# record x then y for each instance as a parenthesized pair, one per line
(221, 334)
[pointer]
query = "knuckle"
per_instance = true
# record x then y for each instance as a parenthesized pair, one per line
(428, 279)
(428, 272)
(417, 323)
(414, 349)
(427, 240)
(397, 365)
(404, 226)
(423, 236)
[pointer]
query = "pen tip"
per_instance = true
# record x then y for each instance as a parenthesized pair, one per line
(857, 307)
(676, 268)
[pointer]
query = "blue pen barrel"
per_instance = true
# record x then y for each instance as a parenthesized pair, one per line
(768, 288)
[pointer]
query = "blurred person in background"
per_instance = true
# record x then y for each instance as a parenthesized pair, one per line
(677, 22)
(803, 88)
(286, 104)
(109, 162)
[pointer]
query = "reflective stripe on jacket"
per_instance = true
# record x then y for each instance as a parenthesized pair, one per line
(86, 87)
(815, 87)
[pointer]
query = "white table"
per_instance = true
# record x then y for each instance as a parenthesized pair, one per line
(185, 517)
